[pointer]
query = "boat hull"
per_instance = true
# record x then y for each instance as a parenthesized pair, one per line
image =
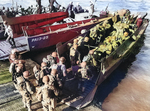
(62, 35)
(50, 39)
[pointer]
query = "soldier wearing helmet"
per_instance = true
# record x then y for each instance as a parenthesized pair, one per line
(36, 71)
(75, 41)
(61, 69)
(74, 55)
(16, 68)
(46, 94)
(55, 81)
(83, 48)
(29, 85)
(26, 90)
(84, 75)
(16, 73)
(12, 57)
(44, 71)
(51, 59)
(17, 54)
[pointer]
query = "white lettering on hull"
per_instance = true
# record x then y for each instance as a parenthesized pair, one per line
(39, 38)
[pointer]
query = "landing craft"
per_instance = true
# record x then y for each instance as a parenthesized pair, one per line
(118, 38)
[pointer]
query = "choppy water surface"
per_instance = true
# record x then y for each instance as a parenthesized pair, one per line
(136, 67)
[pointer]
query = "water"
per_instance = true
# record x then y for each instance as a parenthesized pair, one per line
(135, 68)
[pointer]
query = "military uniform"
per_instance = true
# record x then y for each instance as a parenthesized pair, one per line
(61, 69)
(36, 71)
(51, 59)
(84, 75)
(44, 71)
(74, 56)
(56, 82)
(24, 88)
(17, 71)
(47, 95)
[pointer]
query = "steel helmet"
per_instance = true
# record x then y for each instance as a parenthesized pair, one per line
(43, 64)
(45, 79)
(86, 39)
(83, 64)
(54, 54)
(62, 59)
(26, 74)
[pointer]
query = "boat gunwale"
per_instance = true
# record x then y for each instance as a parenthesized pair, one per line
(80, 24)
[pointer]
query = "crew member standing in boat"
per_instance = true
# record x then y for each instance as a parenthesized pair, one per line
(9, 32)
(39, 9)
(69, 9)
(52, 7)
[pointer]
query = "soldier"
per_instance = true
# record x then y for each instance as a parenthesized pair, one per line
(91, 11)
(9, 32)
(61, 68)
(90, 60)
(84, 75)
(1, 12)
(29, 85)
(16, 72)
(17, 54)
(78, 8)
(25, 89)
(36, 71)
(83, 48)
(12, 57)
(22, 63)
(8, 13)
(52, 7)
(39, 9)
(69, 9)
(44, 71)
(13, 12)
(47, 94)
(51, 59)
(74, 55)
(54, 80)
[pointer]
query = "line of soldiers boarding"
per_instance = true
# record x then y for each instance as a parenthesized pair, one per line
(101, 40)
(50, 77)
